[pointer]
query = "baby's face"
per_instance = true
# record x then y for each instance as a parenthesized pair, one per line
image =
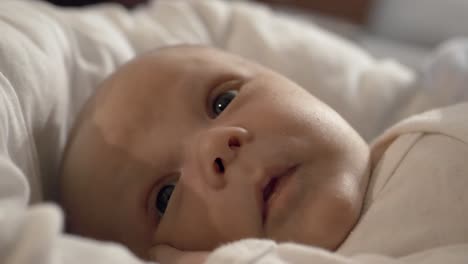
(192, 147)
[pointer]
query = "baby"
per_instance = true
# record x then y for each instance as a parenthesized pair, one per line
(193, 147)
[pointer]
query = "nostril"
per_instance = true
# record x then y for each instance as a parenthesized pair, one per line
(219, 167)
(233, 142)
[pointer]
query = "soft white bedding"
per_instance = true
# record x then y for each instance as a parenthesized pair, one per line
(51, 60)
(405, 30)
(407, 52)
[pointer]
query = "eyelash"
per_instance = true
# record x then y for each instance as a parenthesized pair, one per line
(227, 86)
(158, 211)
(156, 189)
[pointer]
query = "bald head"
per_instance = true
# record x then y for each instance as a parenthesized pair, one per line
(178, 143)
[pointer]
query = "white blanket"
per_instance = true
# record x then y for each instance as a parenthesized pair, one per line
(51, 60)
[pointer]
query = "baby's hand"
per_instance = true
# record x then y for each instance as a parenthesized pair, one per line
(169, 255)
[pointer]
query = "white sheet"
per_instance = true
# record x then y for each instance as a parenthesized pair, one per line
(421, 22)
(51, 60)
(409, 53)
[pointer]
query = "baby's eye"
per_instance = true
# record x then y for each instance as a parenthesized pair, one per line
(163, 197)
(222, 101)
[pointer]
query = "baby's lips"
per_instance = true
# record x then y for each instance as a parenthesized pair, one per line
(265, 187)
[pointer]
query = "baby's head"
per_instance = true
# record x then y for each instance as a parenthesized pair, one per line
(193, 147)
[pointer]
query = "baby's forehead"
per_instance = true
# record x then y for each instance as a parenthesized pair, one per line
(147, 87)
(193, 58)
(167, 66)
(191, 53)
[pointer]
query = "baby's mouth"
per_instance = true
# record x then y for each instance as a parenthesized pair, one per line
(273, 186)
(269, 189)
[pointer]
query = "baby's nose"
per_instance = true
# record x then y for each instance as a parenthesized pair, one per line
(217, 149)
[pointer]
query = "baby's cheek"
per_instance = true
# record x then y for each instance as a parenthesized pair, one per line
(185, 235)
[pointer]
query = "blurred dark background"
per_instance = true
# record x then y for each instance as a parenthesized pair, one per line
(354, 11)
(127, 3)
